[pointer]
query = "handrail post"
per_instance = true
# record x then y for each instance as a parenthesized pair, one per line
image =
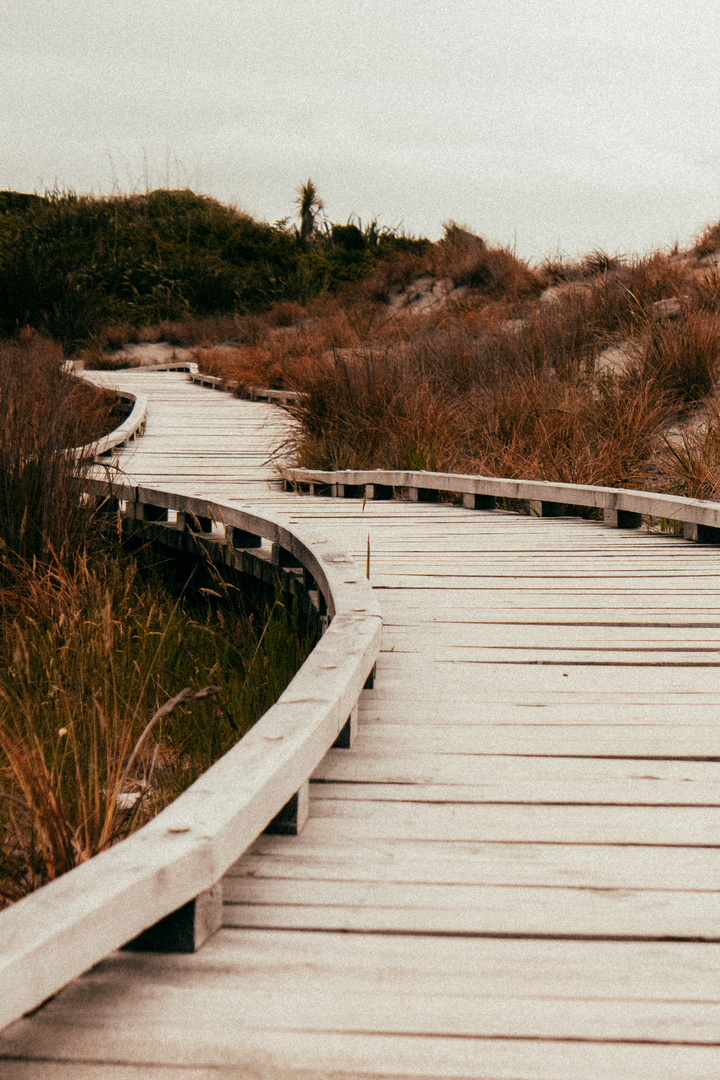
(348, 732)
(622, 519)
(418, 494)
(701, 534)
(471, 501)
(378, 491)
(542, 508)
(239, 538)
(290, 820)
(183, 930)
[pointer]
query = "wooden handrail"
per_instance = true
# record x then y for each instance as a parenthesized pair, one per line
(56, 933)
(132, 426)
(245, 390)
(621, 506)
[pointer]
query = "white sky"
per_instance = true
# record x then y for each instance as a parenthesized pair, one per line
(550, 125)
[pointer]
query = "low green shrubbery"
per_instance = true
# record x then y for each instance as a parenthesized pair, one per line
(71, 264)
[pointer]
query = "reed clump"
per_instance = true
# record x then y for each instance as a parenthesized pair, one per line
(92, 654)
(122, 677)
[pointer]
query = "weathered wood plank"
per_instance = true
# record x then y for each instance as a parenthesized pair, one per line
(522, 792)
(655, 825)
(590, 866)
(269, 1055)
(649, 710)
(378, 768)
(473, 909)
(334, 1004)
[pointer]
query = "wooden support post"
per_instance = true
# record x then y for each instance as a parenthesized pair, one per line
(478, 502)
(378, 491)
(153, 513)
(279, 556)
(186, 519)
(297, 487)
(701, 534)
(308, 580)
(239, 538)
(347, 733)
(547, 509)
(104, 504)
(293, 815)
(423, 494)
(184, 930)
(622, 519)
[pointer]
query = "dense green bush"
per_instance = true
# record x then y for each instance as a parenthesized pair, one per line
(70, 264)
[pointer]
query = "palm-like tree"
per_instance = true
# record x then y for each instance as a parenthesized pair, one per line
(309, 204)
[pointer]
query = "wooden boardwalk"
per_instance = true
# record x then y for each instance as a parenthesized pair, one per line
(513, 875)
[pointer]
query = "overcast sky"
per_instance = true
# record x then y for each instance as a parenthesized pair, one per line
(548, 125)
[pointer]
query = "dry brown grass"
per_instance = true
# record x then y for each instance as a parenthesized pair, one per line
(43, 412)
(689, 456)
(508, 387)
(678, 357)
(495, 381)
(545, 429)
(709, 241)
(492, 272)
(95, 641)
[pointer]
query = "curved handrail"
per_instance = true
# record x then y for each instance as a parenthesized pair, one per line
(56, 933)
(246, 390)
(479, 490)
(132, 425)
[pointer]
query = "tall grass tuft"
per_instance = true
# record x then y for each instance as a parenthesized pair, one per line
(121, 678)
(44, 412)
(93, 658)
(679, 357)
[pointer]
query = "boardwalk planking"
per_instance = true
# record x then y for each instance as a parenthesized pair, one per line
(530, 812)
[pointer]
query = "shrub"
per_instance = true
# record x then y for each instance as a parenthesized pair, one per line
(709, 241)
(465, 257)
(70, 265)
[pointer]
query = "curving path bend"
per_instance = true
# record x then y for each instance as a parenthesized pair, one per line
(513, 875)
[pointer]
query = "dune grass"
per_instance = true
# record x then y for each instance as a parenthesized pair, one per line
(125, 672)
(508, 377)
